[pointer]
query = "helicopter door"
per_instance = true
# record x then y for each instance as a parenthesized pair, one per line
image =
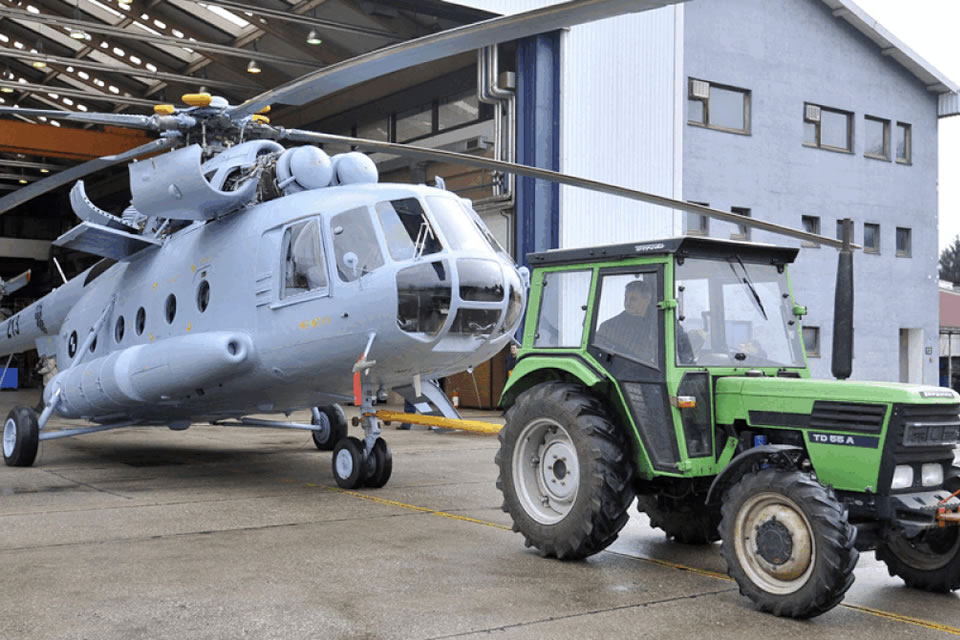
(627, 339)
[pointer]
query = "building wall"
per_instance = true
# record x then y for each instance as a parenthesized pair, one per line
(787, 53)
(620, 121)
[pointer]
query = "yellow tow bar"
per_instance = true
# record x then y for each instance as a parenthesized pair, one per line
(476, 426)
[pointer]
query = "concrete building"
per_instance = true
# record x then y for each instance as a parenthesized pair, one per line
(800, 112)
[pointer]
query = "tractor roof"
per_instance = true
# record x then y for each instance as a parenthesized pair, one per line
(686, 246)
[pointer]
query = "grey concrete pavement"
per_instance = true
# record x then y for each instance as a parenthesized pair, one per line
(230, 533)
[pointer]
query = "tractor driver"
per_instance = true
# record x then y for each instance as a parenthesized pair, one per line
(634, 331)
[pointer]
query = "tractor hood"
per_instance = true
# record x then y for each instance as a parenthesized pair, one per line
(736, 396)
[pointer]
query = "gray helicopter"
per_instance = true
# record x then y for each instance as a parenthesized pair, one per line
(247, 277)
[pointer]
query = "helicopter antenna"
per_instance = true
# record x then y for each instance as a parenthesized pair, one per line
(56, 263)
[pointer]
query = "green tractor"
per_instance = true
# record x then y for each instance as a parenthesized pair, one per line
(674, 372)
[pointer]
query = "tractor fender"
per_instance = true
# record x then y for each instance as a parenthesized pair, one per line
(745, 461)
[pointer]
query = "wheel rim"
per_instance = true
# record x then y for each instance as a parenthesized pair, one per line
(322, 433)
(344, 463)
(546, 471)
(9, 437)
(930, 551)
(775, 543)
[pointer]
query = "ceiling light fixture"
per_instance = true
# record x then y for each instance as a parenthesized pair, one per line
(8, 77)
(253, 66)
(76, 32)
(39, 64)
(313, 37)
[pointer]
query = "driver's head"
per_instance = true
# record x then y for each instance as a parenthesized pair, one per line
(637, 296)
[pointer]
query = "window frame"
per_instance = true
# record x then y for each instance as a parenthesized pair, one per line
(886, 138)
(746, 93)
(743, 231)
(908, 143)
(818, 231)
(816, 352)
(876, 248)
(819, 129)
(286, 243)
(703, 230)
(908, 251)
(588, 302)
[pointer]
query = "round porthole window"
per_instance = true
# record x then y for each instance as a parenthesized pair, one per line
(171, 308)
(72, 344)
(141, 320)
(118, 330)
(203, 295)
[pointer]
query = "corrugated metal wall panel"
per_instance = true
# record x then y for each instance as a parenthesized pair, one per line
(619, 121)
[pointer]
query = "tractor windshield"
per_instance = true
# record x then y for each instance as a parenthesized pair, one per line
(732, 313)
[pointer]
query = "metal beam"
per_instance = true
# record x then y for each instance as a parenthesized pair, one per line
(21, 248)
(26, 164)
(144, 36)
(312, 21)
(66, 142)
(127, 71)
(77, 93)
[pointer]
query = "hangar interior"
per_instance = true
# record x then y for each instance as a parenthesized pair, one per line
(126, 57)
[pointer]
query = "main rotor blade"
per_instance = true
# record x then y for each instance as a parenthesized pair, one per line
(111, 119)
(328, 80)
(41, 187)
(437, 155)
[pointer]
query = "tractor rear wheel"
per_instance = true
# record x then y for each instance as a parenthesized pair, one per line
(565, 471)
(930, 561)
(688, 521)
(787, 543)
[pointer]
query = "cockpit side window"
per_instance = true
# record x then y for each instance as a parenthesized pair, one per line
(303, 264)
(407, 229)
(355, 244)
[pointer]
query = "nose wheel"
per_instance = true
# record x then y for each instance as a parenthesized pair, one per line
(353, 467)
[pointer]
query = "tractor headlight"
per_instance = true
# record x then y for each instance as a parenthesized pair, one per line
(932, 474)
(902, 477)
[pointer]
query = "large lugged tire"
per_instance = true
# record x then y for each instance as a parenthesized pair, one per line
(930, 562)
(787, 543)
(565, 471)
(21, 437)
(688, 521)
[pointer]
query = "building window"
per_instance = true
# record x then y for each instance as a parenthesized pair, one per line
(904, 243)
(827, 128)
(743, 231)
(871, 238)
(718, 107)
(876, 138)
(375, 130)
(811, 224)
(904, 142)
(458, 110)
(414, 123)
(696, 224)
(811, 341)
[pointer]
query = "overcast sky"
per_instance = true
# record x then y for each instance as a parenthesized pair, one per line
(930, 28)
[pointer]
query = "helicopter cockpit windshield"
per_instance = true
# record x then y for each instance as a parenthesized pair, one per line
(355, 244)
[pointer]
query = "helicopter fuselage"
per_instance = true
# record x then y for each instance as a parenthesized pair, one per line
(266, 310)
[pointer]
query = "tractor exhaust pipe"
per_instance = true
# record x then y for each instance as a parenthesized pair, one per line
(842, 363)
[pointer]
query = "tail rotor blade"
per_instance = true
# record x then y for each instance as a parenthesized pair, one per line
(41, 187)
(439, 155)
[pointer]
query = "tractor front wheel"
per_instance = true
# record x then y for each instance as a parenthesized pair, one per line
(787, 543)
(685, 520)
(565, 471)
(929, 561)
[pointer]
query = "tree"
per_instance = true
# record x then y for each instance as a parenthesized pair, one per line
(950, 262)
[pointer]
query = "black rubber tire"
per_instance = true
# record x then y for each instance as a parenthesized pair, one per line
(383, 465)
(338, 428)
(604, 494)
(351, 476)
(834, 555)
(940, 546)
(27, 441)
(687, 521)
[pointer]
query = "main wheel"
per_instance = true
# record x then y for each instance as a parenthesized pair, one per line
(348, 463)
(787, 543)
(383, 465)
(565, 471)
(688, 521)
(333, 427)
(930, 561)
(21, 437)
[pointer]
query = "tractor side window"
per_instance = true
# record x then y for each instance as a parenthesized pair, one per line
(303, 265)
(355, 244)
(563, 308)
(406, 228)
(628, 322)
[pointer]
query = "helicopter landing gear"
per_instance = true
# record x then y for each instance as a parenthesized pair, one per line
(363, 463)
(21, 436)
(333, 426)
